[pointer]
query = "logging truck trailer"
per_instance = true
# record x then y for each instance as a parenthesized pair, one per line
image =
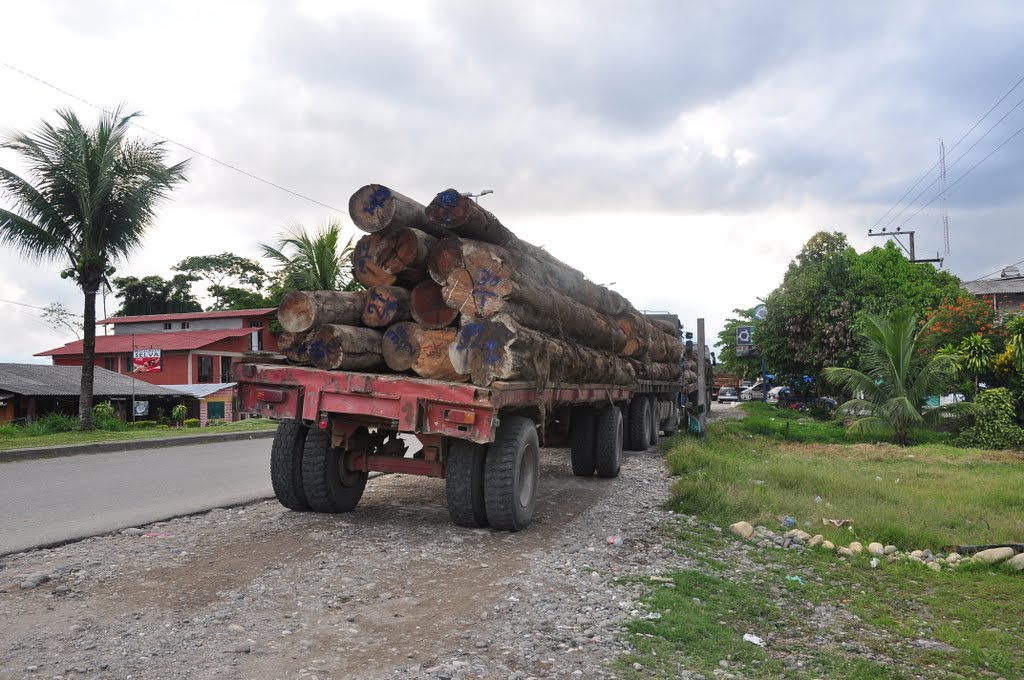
(335, 427)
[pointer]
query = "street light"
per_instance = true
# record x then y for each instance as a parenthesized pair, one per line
(476, 197)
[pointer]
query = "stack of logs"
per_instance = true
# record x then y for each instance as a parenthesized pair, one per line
(451, 294)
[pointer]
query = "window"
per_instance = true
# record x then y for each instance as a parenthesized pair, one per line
(256, 324)
(205, 370)
(215, 409)
(110, 363)
(167, 325)
(184, 324)
(225, 369)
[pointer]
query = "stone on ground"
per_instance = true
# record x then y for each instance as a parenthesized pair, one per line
(742, 529)
(994, 555)
(876, 549)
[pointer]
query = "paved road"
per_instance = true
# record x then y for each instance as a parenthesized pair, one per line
(59, 499)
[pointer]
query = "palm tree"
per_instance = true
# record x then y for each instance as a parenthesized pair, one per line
(896, 380)
(976, 355)
(87, 200)
(313, 262)
(1015, 339)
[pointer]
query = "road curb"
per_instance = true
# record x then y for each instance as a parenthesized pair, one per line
(130, 445)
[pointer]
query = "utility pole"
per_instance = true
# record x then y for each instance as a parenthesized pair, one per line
(911, 252)
(702, 379)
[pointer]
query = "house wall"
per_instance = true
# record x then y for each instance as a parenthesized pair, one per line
(175, 367)
(225, 397)
(7, 411)
(193, 325)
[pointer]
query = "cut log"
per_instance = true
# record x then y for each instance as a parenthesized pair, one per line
(499, 348)
(376, 207)
(349, 348)
(396, 255)
(428, 306)
(386, 305)
(646, 341)
(656, 372)
(303, 310)
(295, 347)
(664, 326)
(409, 346)
(444, 258)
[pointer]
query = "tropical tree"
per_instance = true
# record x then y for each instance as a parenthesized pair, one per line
(891, 390)
(315, 261)
(155, 295)
(976, 355)
(89, 195)
(1014, 327)
(234, 282)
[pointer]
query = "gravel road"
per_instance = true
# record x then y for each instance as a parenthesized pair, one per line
(392, 590)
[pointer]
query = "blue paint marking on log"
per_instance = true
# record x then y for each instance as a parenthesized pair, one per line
(381, 307)
(449, 198)
(469, 336)
(377, 199)
(398, 336)
(361, 255)
(490, 349)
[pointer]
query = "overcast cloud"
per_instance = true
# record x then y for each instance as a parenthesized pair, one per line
(683, 151)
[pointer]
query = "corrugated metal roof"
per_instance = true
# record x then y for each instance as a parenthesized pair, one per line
(996, 286)
(186, 316)
(167, 341)
(38, 380)
(201, 390)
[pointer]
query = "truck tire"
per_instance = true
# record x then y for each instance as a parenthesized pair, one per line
(609, 441)
(329, 486)
(286, 464)
(639, 424)
(583, 423)
(464, 483)
(511, 474)
(655, 420)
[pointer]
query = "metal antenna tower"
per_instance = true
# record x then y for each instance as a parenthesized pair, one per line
(944, 213)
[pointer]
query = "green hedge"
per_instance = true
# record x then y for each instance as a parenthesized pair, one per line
(994, 427)
(191, 422)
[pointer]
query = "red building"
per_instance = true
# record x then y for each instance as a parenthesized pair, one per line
(176, 349)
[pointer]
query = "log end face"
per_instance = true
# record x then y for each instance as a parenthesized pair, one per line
(429, 307)
(372, 207)
(297, 311)
(449, 209)
(400, 347)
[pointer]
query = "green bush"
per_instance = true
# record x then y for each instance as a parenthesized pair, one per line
(162, 426)
(994, 427)
(144, 425)
(215, 422)
(57, 422)
(191, 422)
(178, 413)
(103, 418)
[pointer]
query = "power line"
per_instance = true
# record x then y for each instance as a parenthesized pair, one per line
(980, 278)
(23, 304)
(188, 148)
(961, 177)
(962, 138)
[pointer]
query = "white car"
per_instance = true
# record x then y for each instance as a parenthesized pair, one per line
(728, 394)
(773, 393)
(752, 393)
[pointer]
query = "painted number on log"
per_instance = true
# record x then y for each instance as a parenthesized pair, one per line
(471, 337)
(398, 336)
(380, 307)
(482, 292)
(361, 255)
(377, 199)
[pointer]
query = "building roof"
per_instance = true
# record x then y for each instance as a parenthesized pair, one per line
(996, 286)
(36, 380)
(186, 316)
(201, 390)
(166, 341)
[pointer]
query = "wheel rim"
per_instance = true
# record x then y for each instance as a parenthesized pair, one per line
(527, 478)
(618, 442)
(346, 477)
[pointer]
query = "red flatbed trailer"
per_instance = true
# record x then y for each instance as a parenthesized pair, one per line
(337, 426)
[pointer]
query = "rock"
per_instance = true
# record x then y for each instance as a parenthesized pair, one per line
(235, 628)
(34, 581)
(917, 554)
(1016, 562)
(133, 531)
(846, 552)
(815, 540)
(828, 545)
(994, 555)
(458, 540)
(742, 529)
(61, 590)
(876, 549)
(953, 558)
(243, 648)
(856, 547)
(934, 566)
(889, 550)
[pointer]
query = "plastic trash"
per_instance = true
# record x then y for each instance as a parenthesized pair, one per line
(817, 499)
(615, 540)
(795, 579)
(789, 522)
(874, 562)
(750, 637)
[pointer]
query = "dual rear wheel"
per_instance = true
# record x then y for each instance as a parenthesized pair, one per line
(307, 473)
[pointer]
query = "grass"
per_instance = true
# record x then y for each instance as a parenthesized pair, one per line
(847, 619)
(11, 440)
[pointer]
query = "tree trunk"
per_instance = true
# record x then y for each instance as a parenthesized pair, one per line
(303, 310)
(646, 341)
(375, 207)
(347, 348)
(657, 372)
(295, 346)
(467, 219)
(85, 398)
(396, 255)
(409, 346)
(429, 308)
(386, 305)
(499, 348)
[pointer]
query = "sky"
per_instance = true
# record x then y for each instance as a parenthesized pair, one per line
(679, 152)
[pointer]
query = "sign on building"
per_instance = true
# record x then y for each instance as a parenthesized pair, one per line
(146, 361)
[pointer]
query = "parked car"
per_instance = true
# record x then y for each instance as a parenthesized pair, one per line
(775, 392)
(754, 392)
(728, 394)
(745, 384)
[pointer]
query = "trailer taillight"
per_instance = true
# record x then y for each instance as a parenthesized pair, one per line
(462, 417)
(323, 422)
(271, 396)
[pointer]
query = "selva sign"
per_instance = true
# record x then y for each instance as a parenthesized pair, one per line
(146, 361)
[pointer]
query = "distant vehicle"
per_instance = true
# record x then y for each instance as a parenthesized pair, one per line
(728, 394)
(755, 391)
(775, 392)
(745, 384)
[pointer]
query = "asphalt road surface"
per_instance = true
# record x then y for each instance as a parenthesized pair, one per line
(52, 500)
